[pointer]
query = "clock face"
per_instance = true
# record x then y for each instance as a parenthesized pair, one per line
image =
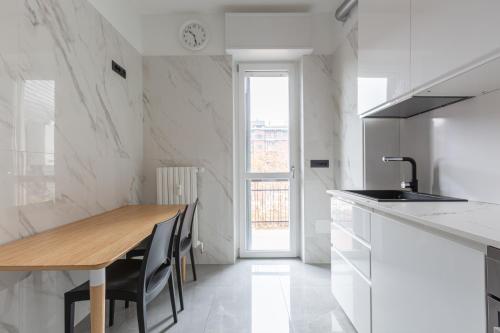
(193, 35)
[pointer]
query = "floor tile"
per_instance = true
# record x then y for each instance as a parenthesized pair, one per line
(252, 296)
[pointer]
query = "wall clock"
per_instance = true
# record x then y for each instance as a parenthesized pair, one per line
(193, 35)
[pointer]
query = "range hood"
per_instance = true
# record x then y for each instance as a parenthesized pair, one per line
(474, 80)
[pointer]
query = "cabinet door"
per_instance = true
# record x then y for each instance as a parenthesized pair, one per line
(352, 292)
(352, 249)
(383, 51)
(355, 219)
(449, 34)
(422, 282)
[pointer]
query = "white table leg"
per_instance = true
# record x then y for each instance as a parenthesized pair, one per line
(97, 300)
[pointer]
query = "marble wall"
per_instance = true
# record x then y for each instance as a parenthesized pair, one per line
(349, 167)
(331, 129)
(319, 119)
(70, 138)
(188, 105)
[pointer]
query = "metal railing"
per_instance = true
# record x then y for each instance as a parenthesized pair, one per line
(270, 204)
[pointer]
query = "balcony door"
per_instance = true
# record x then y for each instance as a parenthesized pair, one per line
(268, 145)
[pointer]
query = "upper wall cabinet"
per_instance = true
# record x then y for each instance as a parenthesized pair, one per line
(384, 51)
(450, 35)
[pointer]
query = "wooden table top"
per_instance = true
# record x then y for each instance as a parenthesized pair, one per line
(88, 244)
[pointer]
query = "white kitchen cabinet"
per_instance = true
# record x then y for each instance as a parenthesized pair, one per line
(350, 262)
(352, 249)
(352, 292)
(384, 51)
(422, 282)
(448, 35)
(351, 217)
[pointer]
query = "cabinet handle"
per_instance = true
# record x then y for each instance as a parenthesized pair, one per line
(356, 205)
(353, 267)
(352, 235)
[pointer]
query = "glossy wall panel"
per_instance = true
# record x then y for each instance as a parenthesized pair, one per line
(70, 138)
(348, 143)
(320, 124)
(188, 106)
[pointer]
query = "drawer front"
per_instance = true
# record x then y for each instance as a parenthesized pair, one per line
(352, 292)
(352, 249)
(351, 217)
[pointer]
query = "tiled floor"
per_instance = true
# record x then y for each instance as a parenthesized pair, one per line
(254, 296)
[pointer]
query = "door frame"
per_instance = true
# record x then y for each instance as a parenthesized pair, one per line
(241, 155)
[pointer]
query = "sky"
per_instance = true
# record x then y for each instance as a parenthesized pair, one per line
(269, 100)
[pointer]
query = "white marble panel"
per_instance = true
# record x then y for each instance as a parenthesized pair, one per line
(10, 16)
(188, 122)
(319, 124)
(71, 139)
(349, 143)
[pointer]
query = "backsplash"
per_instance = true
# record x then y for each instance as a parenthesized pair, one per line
(71, 139)
(456, 148)
(188, 105)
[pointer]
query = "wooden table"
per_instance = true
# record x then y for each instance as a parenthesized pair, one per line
(90, 244)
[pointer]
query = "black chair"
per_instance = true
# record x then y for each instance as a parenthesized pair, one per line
(134, 280)
(184, 244)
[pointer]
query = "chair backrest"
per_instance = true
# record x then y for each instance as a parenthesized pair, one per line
(186, 225)
(158, 255)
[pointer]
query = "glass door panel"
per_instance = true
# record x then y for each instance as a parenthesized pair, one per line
(269, 215)
(268, 172)
(268, 126)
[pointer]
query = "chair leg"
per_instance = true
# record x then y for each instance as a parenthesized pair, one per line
(69, 316)
(127, 304)
(172, 297)
(179, 279)
(141, 317)
(191, 253)
(111, 312)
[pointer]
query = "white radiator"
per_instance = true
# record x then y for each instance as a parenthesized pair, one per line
(179, 185)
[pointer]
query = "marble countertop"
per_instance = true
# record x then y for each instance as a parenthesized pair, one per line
(475, 221)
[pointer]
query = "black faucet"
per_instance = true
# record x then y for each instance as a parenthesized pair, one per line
(413, 184)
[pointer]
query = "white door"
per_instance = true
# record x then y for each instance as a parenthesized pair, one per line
(268, 142)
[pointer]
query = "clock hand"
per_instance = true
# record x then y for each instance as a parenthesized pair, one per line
(194, 37)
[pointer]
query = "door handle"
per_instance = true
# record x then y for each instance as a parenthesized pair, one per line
(292, 171)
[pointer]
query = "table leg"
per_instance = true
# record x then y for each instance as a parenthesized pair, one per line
(183, 270)
(97, 300)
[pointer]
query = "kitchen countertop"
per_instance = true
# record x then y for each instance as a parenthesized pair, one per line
(475, 221)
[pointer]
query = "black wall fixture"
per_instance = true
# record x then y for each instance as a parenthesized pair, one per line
(118, 69)
(320, 163)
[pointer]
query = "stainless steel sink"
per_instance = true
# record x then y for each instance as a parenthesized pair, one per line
(398, 196)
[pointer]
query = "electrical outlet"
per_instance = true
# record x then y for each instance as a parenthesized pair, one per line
(320, 163)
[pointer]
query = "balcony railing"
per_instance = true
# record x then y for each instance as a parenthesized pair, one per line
(270, 204)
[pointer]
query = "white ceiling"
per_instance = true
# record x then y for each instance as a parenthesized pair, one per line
(217, 6)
